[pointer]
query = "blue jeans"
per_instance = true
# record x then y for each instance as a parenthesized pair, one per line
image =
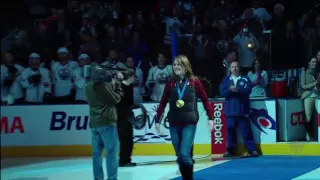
(182, 140)
(105, 137)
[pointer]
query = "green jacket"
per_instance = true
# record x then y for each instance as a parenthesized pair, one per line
(102, 99)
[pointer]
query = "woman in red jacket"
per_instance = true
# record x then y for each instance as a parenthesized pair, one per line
(182, 93)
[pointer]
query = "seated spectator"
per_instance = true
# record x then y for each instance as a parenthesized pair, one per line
(259, 79)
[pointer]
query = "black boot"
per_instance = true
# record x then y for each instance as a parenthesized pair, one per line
(309, 130)
(186, 172)
(189, 172)
(182, 169)
(191, 154)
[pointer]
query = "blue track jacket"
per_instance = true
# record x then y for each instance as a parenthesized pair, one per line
(236, 103)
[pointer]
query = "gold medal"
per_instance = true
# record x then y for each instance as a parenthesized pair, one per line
(179, 103)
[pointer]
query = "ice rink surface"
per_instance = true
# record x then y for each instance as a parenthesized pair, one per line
(81, 169)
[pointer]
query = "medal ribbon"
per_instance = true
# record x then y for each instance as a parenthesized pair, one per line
(181, 92)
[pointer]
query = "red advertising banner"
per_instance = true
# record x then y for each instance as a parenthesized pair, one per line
(219, 133)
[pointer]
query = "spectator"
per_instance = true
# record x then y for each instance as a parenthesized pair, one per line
(128, 26)
(158, 76)
(138, 85)
(62, 72)
(310, 86)
(137, 47)
(261, 14)
(231, 56)
(155, 29)
(57, 30)
(316, 39)
(247, 45)
(11, 90)
(173, 24)
(190, 21)
(252, 23)
(112, 41)
(36, 81)
(79, 80)
(113, 60)
(198, 43)
(21, 48)
(259, 79)
(40, 43)
(221, 40)
(292, 49)
(140, 24)
(91, 46)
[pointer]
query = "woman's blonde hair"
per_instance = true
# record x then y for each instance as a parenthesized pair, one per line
(183, 61)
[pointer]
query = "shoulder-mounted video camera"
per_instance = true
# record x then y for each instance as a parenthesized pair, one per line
(101, 73)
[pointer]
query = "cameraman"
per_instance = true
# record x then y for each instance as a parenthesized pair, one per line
(102, 98)
(36, 80)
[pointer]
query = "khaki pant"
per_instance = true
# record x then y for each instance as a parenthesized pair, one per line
(309, 106)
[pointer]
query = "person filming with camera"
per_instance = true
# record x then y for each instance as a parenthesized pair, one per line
(102, 97)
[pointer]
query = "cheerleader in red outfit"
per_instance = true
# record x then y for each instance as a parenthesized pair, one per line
(182, 94)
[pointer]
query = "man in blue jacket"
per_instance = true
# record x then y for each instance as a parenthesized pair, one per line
(236, 90)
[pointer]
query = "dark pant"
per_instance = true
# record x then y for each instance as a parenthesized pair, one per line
(125, 130)
(245, 128)
(182, 140)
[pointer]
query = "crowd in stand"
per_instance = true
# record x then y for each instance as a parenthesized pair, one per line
(45, 64)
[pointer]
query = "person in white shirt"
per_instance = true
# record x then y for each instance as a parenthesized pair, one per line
(79, 80)
(11, 90)
(36, 81)
(62, 72)
(259, 79)
(138, 89)
(247, 45)
(158, 76)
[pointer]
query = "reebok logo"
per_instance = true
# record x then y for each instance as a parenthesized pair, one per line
(217, 128)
